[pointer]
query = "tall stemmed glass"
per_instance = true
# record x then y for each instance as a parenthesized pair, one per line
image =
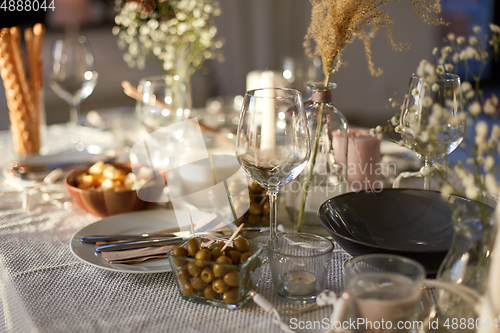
(73, 76)
(432, 120)
(272, 143)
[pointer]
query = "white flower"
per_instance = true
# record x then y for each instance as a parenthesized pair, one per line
(435, 51)
(414, 92)
(470, 94)
(435, 87)
(425, 170)
(475, 108)
(466, 86)
(398, 129)
(424, 136)
(489, 108)
(473, 40)
(489, 162)
(456, 58)
(481, 129)
(491, 184)
(440, 69)
(394, 121)
(476, 29)
(472, 192)
(494, 28)
(446, 191)
(451, 37)
(373, 132)
(378, 128)
(427, 102)
(460, 40)
(448, 67)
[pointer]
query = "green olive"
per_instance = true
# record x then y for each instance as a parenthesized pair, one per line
(207, 274)
(219, 286)
(229, 248)
(244, 257)
(188, 289)
(197, 282)
(241, 244)
(254, 187)
(193, 269)
(232, 296)
(215, 245)
(180, 252)
(235, 256)
(253, 219)
(209, 292)
(266, 208)
(192, 246)
(202, 255)
(266, 220)
(255, 208)
(221, 270)
(232, 278)
(183, 274)
(216, 253)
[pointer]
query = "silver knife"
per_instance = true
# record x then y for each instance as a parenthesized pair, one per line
(138, 244)
(112, 238)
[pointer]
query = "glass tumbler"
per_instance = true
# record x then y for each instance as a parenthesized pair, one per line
(299, 265)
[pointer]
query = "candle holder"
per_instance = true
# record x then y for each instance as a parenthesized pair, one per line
(299, 265)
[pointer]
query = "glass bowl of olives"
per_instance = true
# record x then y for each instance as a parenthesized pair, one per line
(207, 275)
(253, 208)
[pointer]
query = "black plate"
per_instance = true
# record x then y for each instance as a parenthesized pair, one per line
(412, 223)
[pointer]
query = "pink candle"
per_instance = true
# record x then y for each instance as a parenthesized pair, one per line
(364, 169)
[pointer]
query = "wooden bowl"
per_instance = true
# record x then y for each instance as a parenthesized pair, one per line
(108, 203)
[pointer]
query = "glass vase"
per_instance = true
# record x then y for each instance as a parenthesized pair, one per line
(468, 260)
(329, 176)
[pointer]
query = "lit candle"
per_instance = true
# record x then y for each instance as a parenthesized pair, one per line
(268, 136)
(299, 283)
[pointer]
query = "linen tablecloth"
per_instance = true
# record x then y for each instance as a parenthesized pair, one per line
(45, 288)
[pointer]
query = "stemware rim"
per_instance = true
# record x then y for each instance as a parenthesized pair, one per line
(325, 252)
(447, 77)
(252, 92)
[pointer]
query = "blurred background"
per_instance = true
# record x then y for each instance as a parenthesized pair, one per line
(259, 35)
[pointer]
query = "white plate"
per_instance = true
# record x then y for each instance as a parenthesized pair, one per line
(130, 223)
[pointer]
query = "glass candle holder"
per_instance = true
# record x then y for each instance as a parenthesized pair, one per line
(383, 288)
(299, 265)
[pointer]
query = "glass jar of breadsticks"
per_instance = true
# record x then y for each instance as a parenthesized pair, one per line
(22, 79)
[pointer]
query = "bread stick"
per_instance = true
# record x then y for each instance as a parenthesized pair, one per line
(23, 136)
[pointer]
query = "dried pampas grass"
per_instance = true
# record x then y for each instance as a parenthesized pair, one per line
(335, 23)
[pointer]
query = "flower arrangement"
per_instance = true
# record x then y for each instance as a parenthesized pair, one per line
(334, 24)
(181, 33)
(477, 171)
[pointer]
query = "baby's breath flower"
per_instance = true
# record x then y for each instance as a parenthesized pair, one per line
(446, 191)
(440, 69)
(398, 129)
(435, 87)
(394, 121)
(489, 108)
(451, 37)
(427, 101)
(373, 132)
(491, 184)
(448, 67)
(472, 192)
(456, 58)
(475, 108)
(473, 40)
(378, 129)
(494, 28)
(489, 162)
(466, 86)
(476, 29)
(460, 40)
(435, 51)
(481, 129)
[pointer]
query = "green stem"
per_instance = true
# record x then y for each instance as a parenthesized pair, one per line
(312, 163)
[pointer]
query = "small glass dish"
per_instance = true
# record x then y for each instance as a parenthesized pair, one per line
(196, 278)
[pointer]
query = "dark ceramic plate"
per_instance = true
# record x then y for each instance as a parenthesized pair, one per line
(412, 223)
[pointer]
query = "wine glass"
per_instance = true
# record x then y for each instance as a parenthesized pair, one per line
(432, 119)
(272, 142)
(73, 77)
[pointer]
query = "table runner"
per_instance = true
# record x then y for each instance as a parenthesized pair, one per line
(45, 288)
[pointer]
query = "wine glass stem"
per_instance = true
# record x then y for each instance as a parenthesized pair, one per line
(427, 177)
(274, 213)
(74, 111)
